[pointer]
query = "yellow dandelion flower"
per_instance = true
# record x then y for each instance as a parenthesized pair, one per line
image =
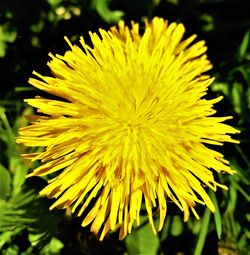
(130, 126)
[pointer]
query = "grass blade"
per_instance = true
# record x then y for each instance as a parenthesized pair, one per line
(203, 232)
(217, 216)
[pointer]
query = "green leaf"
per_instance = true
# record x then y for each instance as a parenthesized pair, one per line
(53, 247)
(12, 250)
(236, 96)
(194, 226)
(54, 2)
(239, 100)
(142, 240)
(220, 87)
(203, 232)
(5, 183)
(19, 171)
(6, 236)
(208, 21)
(242, 191)
(233, 196)
(217, 215)
(7, 35)
(176, 226)
(29, 252)
(9, 136)
(165, 230)
(244, 46)
(29, 211)
(3, 48)
(102, 7)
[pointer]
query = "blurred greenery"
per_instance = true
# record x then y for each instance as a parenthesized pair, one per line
(29, 30)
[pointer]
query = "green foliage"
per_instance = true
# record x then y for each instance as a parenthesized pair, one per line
(142, 240)
(7, 35)
(176, 226)
(22, 210)
(242, 54)
(217, 216)
(5, 183)
(203, 232)
(31, 29)
(102, 8)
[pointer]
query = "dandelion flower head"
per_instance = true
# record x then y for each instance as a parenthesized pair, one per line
(128, 125)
